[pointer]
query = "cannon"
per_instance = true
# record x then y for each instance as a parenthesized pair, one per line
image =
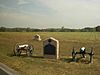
(23, 48)
(74, 53)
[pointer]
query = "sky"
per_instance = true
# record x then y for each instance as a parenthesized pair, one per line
(49, 13)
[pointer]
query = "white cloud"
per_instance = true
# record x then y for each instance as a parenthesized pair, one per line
(76, 11)
(61, 6)
(68, 13)
(21, 2)
(2, 6)
(15, 19)
(35, 20)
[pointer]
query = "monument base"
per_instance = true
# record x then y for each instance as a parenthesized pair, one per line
(51, 57)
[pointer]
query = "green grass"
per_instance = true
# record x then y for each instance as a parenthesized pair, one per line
(37, 65)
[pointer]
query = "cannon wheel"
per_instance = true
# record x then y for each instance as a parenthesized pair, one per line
(73, 55)
(91, 55)
(16, 52)
(30, 50)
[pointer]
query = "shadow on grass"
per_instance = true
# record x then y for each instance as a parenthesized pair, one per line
(24, 56)
(67, 60)
(82, 60)
(78, 60)
(36, 56)
(10, 54)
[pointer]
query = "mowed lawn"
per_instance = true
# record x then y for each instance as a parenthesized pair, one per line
(37, 65)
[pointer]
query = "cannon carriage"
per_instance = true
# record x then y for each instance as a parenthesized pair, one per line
(74, 53)
(23, 49)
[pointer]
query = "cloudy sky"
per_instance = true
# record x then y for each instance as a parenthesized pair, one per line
(50, 13)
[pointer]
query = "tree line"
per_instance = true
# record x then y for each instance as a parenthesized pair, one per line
(62, 29)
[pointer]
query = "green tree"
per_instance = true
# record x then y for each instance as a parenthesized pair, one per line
(98, 28)
(2, 29)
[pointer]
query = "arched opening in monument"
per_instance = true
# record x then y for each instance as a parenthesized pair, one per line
(50, 49)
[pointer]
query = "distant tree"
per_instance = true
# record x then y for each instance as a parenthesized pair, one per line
(36, 30)
(2, 29)
(98, 28)
(28, 29)
(18, 29)
(62, 29)
(87, 29)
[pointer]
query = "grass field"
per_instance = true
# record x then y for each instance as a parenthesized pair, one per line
(37, 65)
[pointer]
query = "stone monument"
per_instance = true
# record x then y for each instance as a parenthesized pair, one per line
(51, 48)
(37, 37)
